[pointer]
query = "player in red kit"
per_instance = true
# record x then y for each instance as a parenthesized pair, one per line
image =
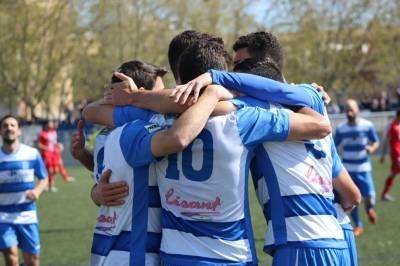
(50, 150)
(392, 140)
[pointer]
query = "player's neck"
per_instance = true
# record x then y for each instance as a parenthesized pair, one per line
(10, 147)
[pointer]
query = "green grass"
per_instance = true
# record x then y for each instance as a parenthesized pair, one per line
(67, 218)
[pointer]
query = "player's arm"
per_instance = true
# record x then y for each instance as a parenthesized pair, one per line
(77, 147)
(256, 86)
(98, 112)
(124, 93)
(374, 141)
(41, 172)
(349, 194)
(189, 124)
(35, 193)
(308, 124)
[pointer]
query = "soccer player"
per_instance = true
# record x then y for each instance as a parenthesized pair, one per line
(393, 140)
(358, 139)
(112, 242)
(50, 150)
(19, 164)
(192, 169)
(275, 179)
(252, 52)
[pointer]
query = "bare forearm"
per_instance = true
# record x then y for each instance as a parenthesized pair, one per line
(307, 127)
(187, 127)
(99, 113)
(157, 101)
(41, 185)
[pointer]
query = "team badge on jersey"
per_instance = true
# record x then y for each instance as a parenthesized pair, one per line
(152, 127)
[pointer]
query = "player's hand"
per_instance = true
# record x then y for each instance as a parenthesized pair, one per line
(368, 148)
(32, 194)
(325, 95)
(60, 146)
(119, 93)
(109, 194)
(181, 93)
(77, 146)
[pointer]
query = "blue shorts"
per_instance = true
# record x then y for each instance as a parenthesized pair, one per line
(364, 182)
(289, 256)
(351, 243)
(25, 236)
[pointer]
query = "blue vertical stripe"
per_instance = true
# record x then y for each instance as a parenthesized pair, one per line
(139, 215)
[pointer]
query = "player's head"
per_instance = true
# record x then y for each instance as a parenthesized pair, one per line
(144, 75)
(10, 129)
(260, 45)
(184, 40)
(49, 124)
(265, 68)
(199, 58)
(351, 110)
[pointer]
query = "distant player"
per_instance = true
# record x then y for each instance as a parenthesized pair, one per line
(358, 139)
(393, 140)
(19, 164)
(50, 150)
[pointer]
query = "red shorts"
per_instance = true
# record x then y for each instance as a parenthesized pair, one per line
(51, 160)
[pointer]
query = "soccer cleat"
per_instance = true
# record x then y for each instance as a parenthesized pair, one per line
(372, 216)
(358, 231)
(387, 197)
(53, 189)
(70, 179)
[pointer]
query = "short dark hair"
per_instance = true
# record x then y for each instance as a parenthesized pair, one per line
(177, 45)
(143, 74)
(261, 44)
(266, 68)
(199, 58)
(184, 40)
(10, 116)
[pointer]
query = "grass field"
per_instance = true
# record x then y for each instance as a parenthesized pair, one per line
(67, 218)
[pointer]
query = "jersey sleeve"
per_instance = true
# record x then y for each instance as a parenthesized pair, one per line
(246, 101)
(315, 98)
(372, 135)
(135, 142)
(40, 169)
(125, 114)
(261, 88)
(337, 137)
(257, 125)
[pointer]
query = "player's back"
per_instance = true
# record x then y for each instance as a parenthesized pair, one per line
(203, 191)
(116, 227)
(296, 192)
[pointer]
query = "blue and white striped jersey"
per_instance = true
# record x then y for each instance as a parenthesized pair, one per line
(98, 152)
(353, 139)
(17, 175)
(120, 236)
(205, 212)
(293, 180)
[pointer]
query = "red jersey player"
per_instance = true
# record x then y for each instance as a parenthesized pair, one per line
(392, 140)
(51, 150)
